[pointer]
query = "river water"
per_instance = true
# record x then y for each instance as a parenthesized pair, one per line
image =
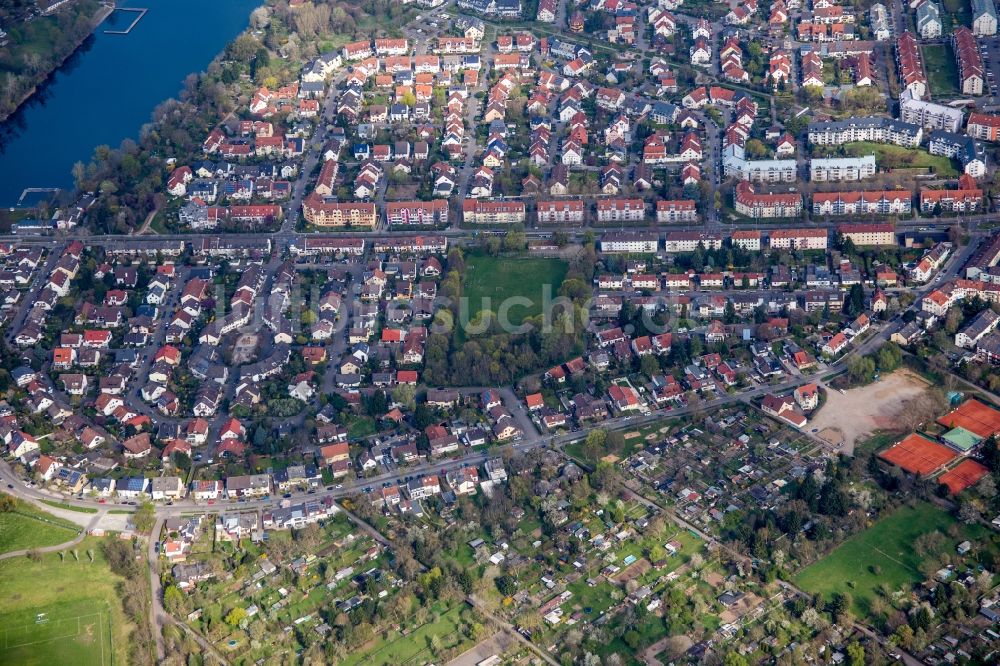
(108, 89)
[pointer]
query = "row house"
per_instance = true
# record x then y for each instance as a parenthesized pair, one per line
(971, 74)
(798, 239)
(984, 127)
(670, 211)
(689, 241)
(477, 211)
(966, 198)
(630, 243)
(886, 202)
(563, 211)
(863, 235)
(841, 168)
(420, 213)
(621, 210)
(758, 205)
(910, 64)
(913, 109)
(875, 129)
(325, 213)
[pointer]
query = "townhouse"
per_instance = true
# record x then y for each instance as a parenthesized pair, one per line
(930, 116)
(325, 213)
(984, 18)
(971, 74)
(910, 64)
(868, 234)
(621, 210)
(841, 168)
(965, 149)
(478, 211)
(748, 202)
(984, 127)
(688, 241)
(884, 202)
(670, 211)
(798, 239)
(880, 130)
(419, 213)
(966, 198)
(561, 211)
(630, 243)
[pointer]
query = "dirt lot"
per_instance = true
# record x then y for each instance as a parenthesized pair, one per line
(849, 417)
(634, 570)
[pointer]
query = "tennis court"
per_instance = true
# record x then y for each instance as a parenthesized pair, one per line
(918, 455)
(967, 473)
(975, 416)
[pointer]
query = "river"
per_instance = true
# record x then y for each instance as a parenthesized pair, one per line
(108, 89)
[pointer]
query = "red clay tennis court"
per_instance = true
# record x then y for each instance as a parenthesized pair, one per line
(918, 455)
(975, 417)
(966, 473)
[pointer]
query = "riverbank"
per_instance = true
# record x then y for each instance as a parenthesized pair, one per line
(103, 12)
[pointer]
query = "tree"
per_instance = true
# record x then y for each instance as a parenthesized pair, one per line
(144, 517)
(735, 659)
(235, 616)
(860, 368)
(756, 149)
(173, 599)
(856, 653)
(649, 365)
(953, 320)
(889, 357)
(405, 395)
(854, 304)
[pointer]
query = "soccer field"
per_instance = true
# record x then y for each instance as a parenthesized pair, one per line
(78, 633)
(500, 278)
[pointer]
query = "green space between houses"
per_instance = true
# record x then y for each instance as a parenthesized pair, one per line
(60, 610)
(942, 71)
(882, 554)
(26, 527)
(897, 157)
(502, 278)
(414, 648)
(954, 14)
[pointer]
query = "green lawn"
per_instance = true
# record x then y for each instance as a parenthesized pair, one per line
(69, 507)
(83, 623)
(360, 427)
(501, 278)
(888, 544)
(414, 648)
(942, 71)
(897, 157)
(597, 599)
(27, 527)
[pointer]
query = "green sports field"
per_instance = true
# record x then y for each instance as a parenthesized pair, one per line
(888, 545)
(68, 633)
(501, 278)
(61, 610)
